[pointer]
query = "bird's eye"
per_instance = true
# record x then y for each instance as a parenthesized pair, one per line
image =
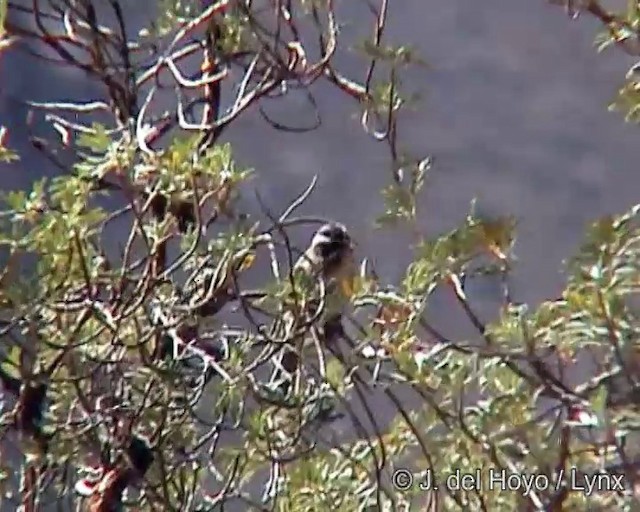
(326, 230)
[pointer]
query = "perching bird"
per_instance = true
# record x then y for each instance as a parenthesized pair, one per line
(329, 258)
(330, 252)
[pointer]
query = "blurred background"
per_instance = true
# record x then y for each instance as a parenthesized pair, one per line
(514, 113)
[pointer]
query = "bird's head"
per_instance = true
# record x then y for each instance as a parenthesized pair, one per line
(331, 242)
(331, 252)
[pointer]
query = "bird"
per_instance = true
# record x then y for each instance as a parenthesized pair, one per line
(330, 259)
(330, 252)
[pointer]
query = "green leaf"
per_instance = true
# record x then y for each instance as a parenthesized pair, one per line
(98, 141)
(11, 364)
(3, 16)
(598, 402)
